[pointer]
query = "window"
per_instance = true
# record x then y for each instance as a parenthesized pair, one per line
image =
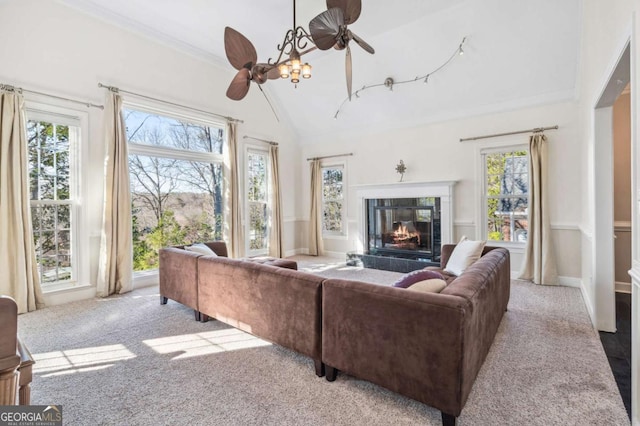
(257, 202)
(333, 200)
(176, 174)
(52, 144)
(506, 194)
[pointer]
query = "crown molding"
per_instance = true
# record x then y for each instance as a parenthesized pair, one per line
(94, 9)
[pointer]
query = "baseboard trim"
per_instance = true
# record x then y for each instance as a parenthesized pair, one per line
(69, 295)
(295, 252)
(587, 302)
(335, 254)
(622, 287)
(146, 279)
(570, 282)
(563, 281)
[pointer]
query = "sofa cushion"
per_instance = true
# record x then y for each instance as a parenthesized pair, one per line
(448, 277)
(201, 248)
(434, 285)
(415, 276)
(464, 255)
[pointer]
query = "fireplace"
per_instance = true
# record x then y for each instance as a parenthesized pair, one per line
(404, 227)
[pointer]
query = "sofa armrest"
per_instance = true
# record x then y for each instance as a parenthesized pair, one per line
(218, 247)
(9, 329)
(179, 276)
(445, 254)
(447, 249)
(406, 341)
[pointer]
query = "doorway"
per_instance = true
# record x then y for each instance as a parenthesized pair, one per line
(613, 211)
(603, 244)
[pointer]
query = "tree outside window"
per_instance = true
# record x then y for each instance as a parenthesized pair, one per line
(257, 201)
(51, 194)
(333, 200)
(176, 177)
(507, 195)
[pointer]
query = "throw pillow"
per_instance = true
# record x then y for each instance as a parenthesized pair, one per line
(434, 285)
(415, 276)
(464, 255)
(201, 248)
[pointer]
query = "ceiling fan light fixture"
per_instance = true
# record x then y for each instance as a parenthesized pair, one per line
(284, 70)
(295, 76)
(306, 70)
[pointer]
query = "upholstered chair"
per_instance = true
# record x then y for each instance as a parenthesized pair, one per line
(9, 358)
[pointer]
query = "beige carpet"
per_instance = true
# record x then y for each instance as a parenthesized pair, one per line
(126, 360)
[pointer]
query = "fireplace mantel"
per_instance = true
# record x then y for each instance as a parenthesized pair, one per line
(442, 189)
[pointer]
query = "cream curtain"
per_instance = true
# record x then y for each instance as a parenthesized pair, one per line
(18, 270)
(236, 234)
(315, 215)
(276, 248)
(540, 263)
(115, 267)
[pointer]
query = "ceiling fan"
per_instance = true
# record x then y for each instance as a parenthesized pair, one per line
(328, 29)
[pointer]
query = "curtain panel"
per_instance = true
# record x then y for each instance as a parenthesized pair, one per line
(540, 264)
(315, 215)
(115, 267)
(18, 269)
(235, 212)
(276, 247)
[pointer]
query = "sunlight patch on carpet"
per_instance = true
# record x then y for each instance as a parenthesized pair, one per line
(320, 267)
(210, 342)
(80, 360)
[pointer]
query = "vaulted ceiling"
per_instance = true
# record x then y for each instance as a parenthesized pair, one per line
(518, 53)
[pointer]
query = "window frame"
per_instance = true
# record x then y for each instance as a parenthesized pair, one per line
(483, 218)
(150, 275)
(252, 149)
(342, 235)
(59, 113)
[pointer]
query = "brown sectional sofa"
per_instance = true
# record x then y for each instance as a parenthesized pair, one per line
(281, 305)
(427, 346)
(267, 298)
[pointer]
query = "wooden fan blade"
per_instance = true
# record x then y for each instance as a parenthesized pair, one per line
(239, 86)
(325, 28)
(348, 71)
(366, 46)
(350, 8)
(240, 52)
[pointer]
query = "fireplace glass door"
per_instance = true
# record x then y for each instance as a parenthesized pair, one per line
(404, 227)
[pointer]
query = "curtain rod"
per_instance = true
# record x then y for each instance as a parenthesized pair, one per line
(330, 156)
(10, 88)
(118, 90)
(534, 130)
(261, 140)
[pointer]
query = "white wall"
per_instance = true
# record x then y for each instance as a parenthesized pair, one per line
(607, 27)
(54, 49)
(434, 153)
